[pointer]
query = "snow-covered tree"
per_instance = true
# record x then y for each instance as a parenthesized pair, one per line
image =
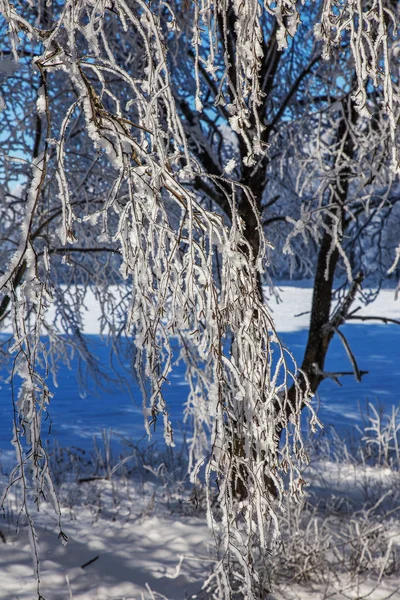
(152, 151)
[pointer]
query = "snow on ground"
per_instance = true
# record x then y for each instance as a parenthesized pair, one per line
(290, 304)
(128, 543)
(344, 543)
(149, 542)
(75, 419)
(389, 589)
(131, 539)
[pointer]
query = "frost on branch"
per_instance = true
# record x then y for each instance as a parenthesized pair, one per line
(368, 27)
(113, 176)
(168, 246)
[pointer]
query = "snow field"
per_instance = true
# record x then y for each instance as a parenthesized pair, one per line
(141, 538)
(126, 541)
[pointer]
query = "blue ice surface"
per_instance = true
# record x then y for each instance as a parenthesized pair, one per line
(75, 419)
(376, 348)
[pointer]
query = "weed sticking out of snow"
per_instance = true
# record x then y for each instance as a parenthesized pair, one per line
(343, 540)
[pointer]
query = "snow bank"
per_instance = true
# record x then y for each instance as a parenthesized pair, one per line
(290, 308)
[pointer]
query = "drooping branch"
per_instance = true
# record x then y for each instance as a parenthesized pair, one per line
(158, 154)
(350, 354)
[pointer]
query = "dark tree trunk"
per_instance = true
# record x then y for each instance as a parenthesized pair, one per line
(321, 330)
